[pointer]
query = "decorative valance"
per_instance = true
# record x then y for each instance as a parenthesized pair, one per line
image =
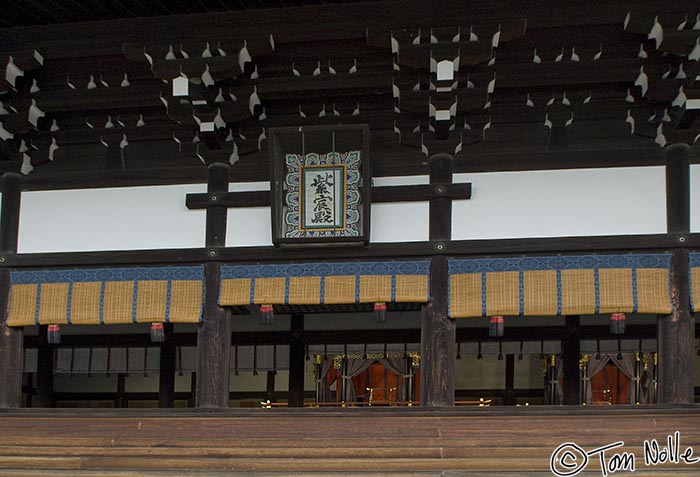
(694, 281)
(106, 296)
(560, 285)
(324, 283)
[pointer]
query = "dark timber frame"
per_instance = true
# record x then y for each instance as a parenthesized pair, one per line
(516, 140)
(11, 339)
(213, 336)
(676, 332)
(438, 331)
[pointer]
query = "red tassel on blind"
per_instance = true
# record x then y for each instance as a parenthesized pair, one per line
(157, 332)
(54, 334)
(496, 327)
(380, 312)
(617, 323)
(267, 315)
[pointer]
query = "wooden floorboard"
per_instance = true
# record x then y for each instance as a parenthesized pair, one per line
(389, 443)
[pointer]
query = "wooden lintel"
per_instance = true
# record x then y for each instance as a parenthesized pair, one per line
(320, 337)
(474, 248)
(228, 199)
(406, 193)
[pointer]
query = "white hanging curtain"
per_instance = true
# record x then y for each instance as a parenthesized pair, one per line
(353, 367)
(648, 380)
(323, 386)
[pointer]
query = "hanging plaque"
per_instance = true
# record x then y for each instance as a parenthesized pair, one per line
(319, 185)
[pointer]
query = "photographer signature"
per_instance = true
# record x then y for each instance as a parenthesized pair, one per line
(570, 459)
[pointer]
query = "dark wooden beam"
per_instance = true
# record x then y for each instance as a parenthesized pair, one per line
(166, 376)
(270, 386)
(408, 193)
(44, 372)
(438, 331)
(676, 332)
(120, 400)
(214, 332)
(509, 395)
(297, 361)
(497, 247)
(11, 339)
(676, 338)
(319, 337)
(389, 159)
(571, 353)
(678, 189)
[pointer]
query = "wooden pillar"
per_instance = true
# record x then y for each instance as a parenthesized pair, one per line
(509, 398)
(11, 339)
(270, 387)
(571, 353)
(296, 362)
(214, 332)
(166, 378)
(676, 332)
(438, 331)
(120, 400)
(44, 371)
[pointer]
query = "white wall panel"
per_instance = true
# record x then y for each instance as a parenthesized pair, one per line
(695, 198)
(400, 180)
(249, 227)
(399, 222)
(561, 203)
(124, 218)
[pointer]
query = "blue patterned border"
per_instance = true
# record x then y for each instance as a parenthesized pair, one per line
(106, 275)
(329, 269)
(694, 259)
(563, 262)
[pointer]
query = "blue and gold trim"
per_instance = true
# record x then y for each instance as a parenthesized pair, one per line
(106, 296)
(560, 285)
(325, 283)
(694, 265)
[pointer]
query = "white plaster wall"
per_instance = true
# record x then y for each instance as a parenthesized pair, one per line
(695, 198)
(400, 180)
(125, 218)
(581, 202)
(249, 227)
(399, 222)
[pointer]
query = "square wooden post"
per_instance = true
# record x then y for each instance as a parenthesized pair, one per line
(296, 361)
(676, 332)
(214, 333)
(11, 339)
(438, 331)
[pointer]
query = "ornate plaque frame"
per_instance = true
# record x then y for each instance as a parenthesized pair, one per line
(320, 190)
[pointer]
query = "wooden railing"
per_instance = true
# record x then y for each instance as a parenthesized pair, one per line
(389, 442)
